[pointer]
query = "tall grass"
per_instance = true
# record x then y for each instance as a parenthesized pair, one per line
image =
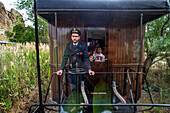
(18, 72)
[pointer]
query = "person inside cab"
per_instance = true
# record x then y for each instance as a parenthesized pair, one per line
(99, 57)
(91, 58)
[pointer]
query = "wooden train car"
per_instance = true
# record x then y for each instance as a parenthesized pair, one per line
(119, 27)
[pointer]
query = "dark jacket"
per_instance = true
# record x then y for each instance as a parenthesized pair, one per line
(78, 54)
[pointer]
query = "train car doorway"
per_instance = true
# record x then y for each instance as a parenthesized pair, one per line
(96, 37)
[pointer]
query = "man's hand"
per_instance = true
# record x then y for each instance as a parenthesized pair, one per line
(59, 72)
(91, 72)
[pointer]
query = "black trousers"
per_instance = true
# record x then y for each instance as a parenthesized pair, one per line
(73, 80)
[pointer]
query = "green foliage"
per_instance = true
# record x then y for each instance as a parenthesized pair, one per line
(41, 31)
(9, 34)
(21, 34)
(24, 34)
(161, 45)
(157, 41)
(157, 44)
(19, 31)
(18, 75)
(27, 5)
(157, 35)
(30, 34)
(158, 27)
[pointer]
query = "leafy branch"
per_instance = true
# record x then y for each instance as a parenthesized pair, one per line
(163, 27)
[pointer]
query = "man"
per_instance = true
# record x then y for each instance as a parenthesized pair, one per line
(99, 57)
(77, 53)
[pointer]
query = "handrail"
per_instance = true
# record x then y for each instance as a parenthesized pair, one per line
(157, 105)
(152, 105)
(111, 72)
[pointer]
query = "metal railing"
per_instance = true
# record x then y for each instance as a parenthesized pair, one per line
(127, 77)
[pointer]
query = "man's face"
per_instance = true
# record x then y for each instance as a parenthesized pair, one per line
(75, 37)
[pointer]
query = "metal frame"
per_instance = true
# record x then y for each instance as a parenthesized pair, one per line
(41, 105)
(45, 105)
(140, 57)
(40, 108)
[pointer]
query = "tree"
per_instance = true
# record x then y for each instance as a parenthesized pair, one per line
(157, 41)
(19, 31)
(21, 34)
(27, 5)
(41, 32)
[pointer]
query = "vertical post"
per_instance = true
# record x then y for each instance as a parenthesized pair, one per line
(67, 85)
(57, 58)
(140, 56)
(56, 39)
(125, 82)
(111, 89)
(77, 88)
(38, 63)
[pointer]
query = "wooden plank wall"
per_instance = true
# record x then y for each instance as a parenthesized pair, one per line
(52, 35)
(123, 51)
